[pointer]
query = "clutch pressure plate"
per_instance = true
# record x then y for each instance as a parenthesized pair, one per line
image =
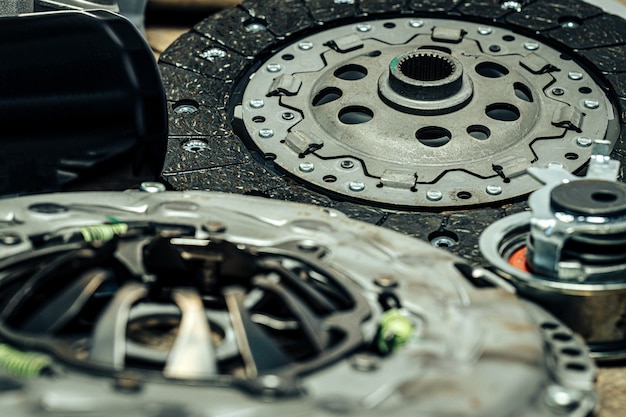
(190, 304)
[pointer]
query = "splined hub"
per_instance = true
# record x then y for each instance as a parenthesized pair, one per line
(442, 107)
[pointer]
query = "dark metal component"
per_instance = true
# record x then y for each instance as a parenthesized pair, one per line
(590, 198)
(544, 15)
(92, 107)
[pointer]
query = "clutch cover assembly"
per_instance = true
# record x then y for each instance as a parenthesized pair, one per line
(191, 304)
(395, 112)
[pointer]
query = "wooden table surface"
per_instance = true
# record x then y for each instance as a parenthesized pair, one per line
(611, 378)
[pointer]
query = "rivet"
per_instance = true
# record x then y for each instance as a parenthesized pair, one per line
(151, 187)
(592, 104)
(575, 75)
(356, 186)
(416, 23)
(266, 133)
(531, 46)
(583, 141)
(274, 67)
(493, 189)
(306, 166)
(305, 45)
(347, 164)
(434, 195)
(257, 103)
(484, 30)
(363, 27)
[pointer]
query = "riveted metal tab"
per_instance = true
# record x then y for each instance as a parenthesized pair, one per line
(303, 142)
(568, 117)
(285, 85)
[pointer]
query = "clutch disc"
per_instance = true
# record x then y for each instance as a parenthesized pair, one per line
(189, 304)
(393, 112)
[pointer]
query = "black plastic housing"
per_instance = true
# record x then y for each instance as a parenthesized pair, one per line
(79, 92)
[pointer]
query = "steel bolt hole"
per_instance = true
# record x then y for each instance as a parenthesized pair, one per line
(351, 72)
(584, 90)
(258, 119)
(573, 366)
(433, 136)
(287, 57)
(389, 25)
(491, 70)
(464, 195)
(494, 48)
(571, 352)
(571, 156)
(326, 96)
(426, 67)
(604, 197)
(374, 54)
(508, 38)
(354, 115)
(443, 239)
(503, 112)
(549, 326)
(569, 22)
(329, 178)
(523, 92)
(479, 132)
(562, 337)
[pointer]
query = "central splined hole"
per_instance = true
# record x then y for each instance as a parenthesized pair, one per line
(426, 67)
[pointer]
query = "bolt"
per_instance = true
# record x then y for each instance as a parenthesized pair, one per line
(305, 45)
(434, 195)
(592, 104)
(562, 398)
(364, 362)
(288, 115)
(575, 75)
(557, 91)
(363, 27)
(493, 190)
(306, 166)
(185, 109)
(484, 30)
(274, 67)
(151, 187)
(266, 133)
(356, 186)
(416, 23)
(257, 103)
(10, 239)
(531, 46)
(214, 227)
(583, 141)
(385, 281)
(347, 164)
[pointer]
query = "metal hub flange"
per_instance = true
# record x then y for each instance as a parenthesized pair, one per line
(428, 113)
(425, 81)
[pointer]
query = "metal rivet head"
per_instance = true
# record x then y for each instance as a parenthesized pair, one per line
(356, 186)
(414, 23)
(10, 239)
(214, 227)
(364, 362)
(306, 166)
(385, 281)
(305, 45)
(575, 75)
(562, 398)
(151, 187)
(185, 109)
(583, 141)
(434, 195)
(266, 133)
(274, 67)
(347, 164)
(213, 53)
(484, 30)
(288, 115)
(557, 91)
(493, 190)
(363, 27)
(592, 104)
(255, 27)
(531, 46)
(257, 103)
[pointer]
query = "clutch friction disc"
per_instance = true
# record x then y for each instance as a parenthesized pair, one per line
(188, 304)
(418, 116)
